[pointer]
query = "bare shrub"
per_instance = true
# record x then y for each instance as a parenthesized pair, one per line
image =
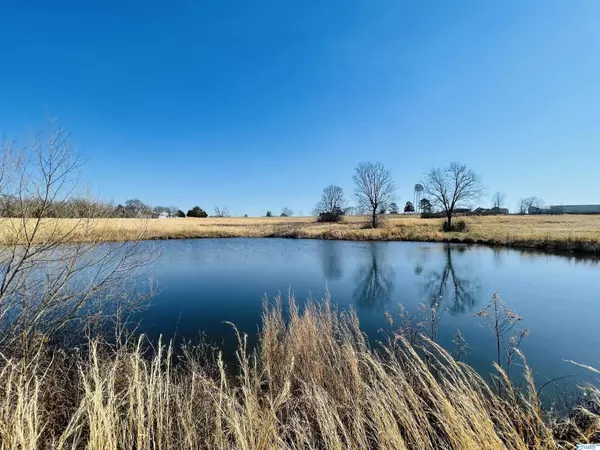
(55, 272)
(459, 226)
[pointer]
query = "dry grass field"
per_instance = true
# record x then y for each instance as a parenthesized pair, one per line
(565, 232)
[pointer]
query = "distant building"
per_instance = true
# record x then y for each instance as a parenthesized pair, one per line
(162, 215)
(490, 211)
(575, 209)
(565, 209)
(540, 210)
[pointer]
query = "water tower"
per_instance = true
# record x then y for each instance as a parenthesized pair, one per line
(419, 188)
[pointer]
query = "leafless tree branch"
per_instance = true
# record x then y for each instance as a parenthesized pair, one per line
(55, 272)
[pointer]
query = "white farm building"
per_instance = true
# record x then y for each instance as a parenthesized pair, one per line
(565, 209)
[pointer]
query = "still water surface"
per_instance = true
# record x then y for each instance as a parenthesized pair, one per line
(205, 282)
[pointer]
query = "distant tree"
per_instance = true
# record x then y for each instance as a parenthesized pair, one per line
(409, 207)
(374, 188)
(426, 206)
(331, 199)
(136, 208)
(173, 211)
(222, 211)
(382, 210)
(452, 187)
(394, 208)
(196, 211)
(245, 215)
(286, 212)
(498, 199)
(179, 213)
(120, 211)
(269, 214)
(529, 202)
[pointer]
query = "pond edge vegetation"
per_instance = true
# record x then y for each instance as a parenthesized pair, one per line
(313, 382)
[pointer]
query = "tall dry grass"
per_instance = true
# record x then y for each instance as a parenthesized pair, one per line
(313, 383)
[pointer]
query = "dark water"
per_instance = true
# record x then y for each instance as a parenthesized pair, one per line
(206, 282)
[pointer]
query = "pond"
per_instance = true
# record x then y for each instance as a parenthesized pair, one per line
(203, 283)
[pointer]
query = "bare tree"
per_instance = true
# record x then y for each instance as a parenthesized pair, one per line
(529, 202)
(452, 187)
(332, 200)
(286, 212)
(498, 199)
(222, 211)
(374, 188)
(55, 272)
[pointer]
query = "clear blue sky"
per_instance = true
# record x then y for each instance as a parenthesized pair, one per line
(258, 105)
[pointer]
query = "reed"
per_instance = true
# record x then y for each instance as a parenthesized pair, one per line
(313, 382)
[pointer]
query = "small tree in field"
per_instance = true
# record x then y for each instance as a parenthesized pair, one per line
(332, 206)
(286, 212)
(452, 187)
(374, 189)
(221, 211)
(332, 199)
(269, 214)
(409, 207)
(394, 208)
(180, 213)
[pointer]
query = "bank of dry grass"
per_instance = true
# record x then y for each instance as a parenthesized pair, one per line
(567, 232)
(314, 383)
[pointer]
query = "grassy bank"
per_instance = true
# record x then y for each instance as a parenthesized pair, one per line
(563, 233)
(314, 383)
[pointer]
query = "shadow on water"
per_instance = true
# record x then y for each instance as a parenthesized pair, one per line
(374, 279)
(448, 286)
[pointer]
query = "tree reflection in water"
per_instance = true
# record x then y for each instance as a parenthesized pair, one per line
(446, 286)
(332, 263)
(375, 279)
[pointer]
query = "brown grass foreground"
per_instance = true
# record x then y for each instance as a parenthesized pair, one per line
(564, 233)
(313, 383)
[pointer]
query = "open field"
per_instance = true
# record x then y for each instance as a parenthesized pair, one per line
(315, 383)
(564, 233)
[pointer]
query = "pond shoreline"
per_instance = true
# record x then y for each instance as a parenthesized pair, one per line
(564, 248)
